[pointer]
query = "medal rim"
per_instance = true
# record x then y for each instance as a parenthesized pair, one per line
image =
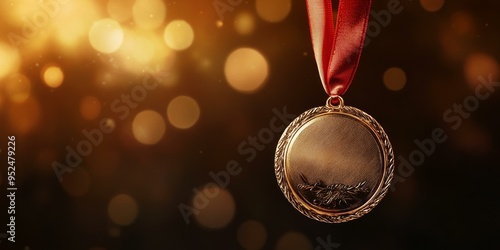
(323, 214)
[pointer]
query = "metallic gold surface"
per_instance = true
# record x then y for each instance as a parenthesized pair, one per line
(334, 163)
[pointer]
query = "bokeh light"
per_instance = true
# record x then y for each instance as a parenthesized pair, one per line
(252, 235)
(19, 10)
(148, 127)
(480, 65)
(123, 209)
(73, 21)
(149, 14)
(90, 107)
(462, 23)
(24, 117)
(120, 10)
(106, 35)
(246, 70)
(294, 240)
(18, 88)
(77, 182)
(244, 23)
(53, 76)
(144, 47)
(9, 60)
(178, 35)
(220, 207)
(219, 24)
(273, 10)
(432, 5)
(183, 112)
(394, 78)
(138, 46)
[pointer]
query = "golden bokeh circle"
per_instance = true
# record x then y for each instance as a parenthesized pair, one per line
(183, 112)
(178, 35)
(432, 5)
(394, 78)
(106, 35)
(246, 70)
(252, 235)
(148, 127)
(273, 10)
(293, 240)
(53, 76)
(149, 14)
(123, 209)
(216, 212)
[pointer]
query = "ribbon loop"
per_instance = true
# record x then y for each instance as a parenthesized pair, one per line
(337, 52)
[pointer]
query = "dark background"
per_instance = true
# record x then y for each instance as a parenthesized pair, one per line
(451, 200)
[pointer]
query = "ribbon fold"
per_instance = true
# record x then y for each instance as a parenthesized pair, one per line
(338, 51)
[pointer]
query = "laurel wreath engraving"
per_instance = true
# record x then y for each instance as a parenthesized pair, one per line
(335, 196)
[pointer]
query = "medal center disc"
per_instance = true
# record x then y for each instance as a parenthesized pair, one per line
(334, 163)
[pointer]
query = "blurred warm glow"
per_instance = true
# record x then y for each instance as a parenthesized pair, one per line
(219, 210)
(273, 10)
(53, 76)
(480, 64)
(432, 5)
(120, 10)
(246, 70)
(244, 23)
(106, 35)
(24, 117)
(294, 240)
(18, 88)
(138, 46)
(462, 23)
(9, 61)
(394, 79)
(219, 24)
(252, 235)
(73, 21)
(178, 35)
(149, 14)
(122, 209)
(183, 112)
(76, 183)
(148, 127)
(90, 107)
(144, 47)
(19, 11)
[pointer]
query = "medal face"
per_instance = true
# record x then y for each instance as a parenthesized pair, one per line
(334, 163)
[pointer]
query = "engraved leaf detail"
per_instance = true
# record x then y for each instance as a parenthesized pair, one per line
(336, 196)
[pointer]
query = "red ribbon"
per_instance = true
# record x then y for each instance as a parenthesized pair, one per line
(337, 52)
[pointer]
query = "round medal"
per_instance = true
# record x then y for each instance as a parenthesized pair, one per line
(334, 163)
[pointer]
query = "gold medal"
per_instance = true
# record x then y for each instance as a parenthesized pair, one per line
(334, 163)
